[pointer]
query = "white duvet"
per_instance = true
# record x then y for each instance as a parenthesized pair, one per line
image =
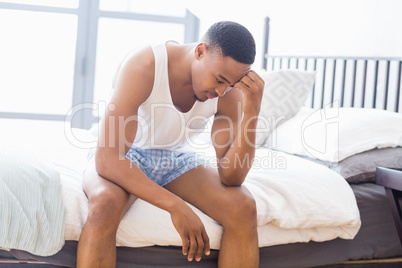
(297, 200)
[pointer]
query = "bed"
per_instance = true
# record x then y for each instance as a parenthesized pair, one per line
(320, 137)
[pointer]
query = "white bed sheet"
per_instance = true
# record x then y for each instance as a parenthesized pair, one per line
(297, 200)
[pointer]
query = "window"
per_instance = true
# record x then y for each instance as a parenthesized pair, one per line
(155, 7)
(58, 56)
(114, 45)
(54, 3)
(37, 61)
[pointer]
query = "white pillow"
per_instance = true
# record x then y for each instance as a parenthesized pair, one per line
(333, 134)
(285, 93)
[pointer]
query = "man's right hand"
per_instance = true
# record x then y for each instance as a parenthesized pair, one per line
(192, 232)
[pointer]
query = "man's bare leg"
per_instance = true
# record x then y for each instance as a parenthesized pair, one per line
(107, 205)
(233, 207)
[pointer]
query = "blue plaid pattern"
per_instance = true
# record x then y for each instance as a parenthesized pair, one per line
(163, 166)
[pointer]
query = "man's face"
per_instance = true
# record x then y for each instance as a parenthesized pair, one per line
(213, 75)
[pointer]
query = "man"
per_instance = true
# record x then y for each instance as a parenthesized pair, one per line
(158, 90)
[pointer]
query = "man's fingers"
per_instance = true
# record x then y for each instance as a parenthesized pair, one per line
(200, 248)
(193, 248)
(255, 77)
(252, 79)
(192, 233)
(184, 240)
(207, 249)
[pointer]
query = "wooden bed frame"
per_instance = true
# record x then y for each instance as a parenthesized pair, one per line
(343, 81)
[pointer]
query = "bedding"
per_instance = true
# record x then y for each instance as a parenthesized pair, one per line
(333, 134)
(323, 209)
(299, 202)
(31, 207)
(319, 203)
(284, 94)
(377, 238)
(361, 167)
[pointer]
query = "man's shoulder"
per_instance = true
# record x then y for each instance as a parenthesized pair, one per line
(134, 79)
(138, 60)
(142, 57)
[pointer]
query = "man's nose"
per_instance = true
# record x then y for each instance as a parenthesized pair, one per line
(222, 90)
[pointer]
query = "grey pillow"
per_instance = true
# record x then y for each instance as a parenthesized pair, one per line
(360, 168)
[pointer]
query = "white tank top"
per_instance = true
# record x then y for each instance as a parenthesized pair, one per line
(160, 124)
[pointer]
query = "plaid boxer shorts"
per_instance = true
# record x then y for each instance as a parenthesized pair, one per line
(163, 166)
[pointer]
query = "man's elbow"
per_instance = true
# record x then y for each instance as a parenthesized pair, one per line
(101, 163)
(231, 180)
(231, 184)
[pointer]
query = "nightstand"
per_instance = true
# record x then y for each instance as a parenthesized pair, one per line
(391, 179)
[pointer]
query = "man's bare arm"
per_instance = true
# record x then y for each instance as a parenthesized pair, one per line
(234, 135)
(134, 84)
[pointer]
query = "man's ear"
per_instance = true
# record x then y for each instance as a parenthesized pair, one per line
(200, 50)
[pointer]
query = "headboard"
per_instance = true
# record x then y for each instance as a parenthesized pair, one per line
(344, 81)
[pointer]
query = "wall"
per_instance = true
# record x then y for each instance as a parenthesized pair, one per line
(314, 27)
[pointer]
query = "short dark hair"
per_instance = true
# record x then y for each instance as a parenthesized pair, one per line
(232, 40)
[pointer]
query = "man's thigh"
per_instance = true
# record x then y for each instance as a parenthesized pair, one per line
(202, 188)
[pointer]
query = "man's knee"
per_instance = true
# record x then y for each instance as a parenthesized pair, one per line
(106, 206)
(247, 206)
(241, 209)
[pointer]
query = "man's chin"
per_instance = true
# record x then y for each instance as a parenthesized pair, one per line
(198, 99)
